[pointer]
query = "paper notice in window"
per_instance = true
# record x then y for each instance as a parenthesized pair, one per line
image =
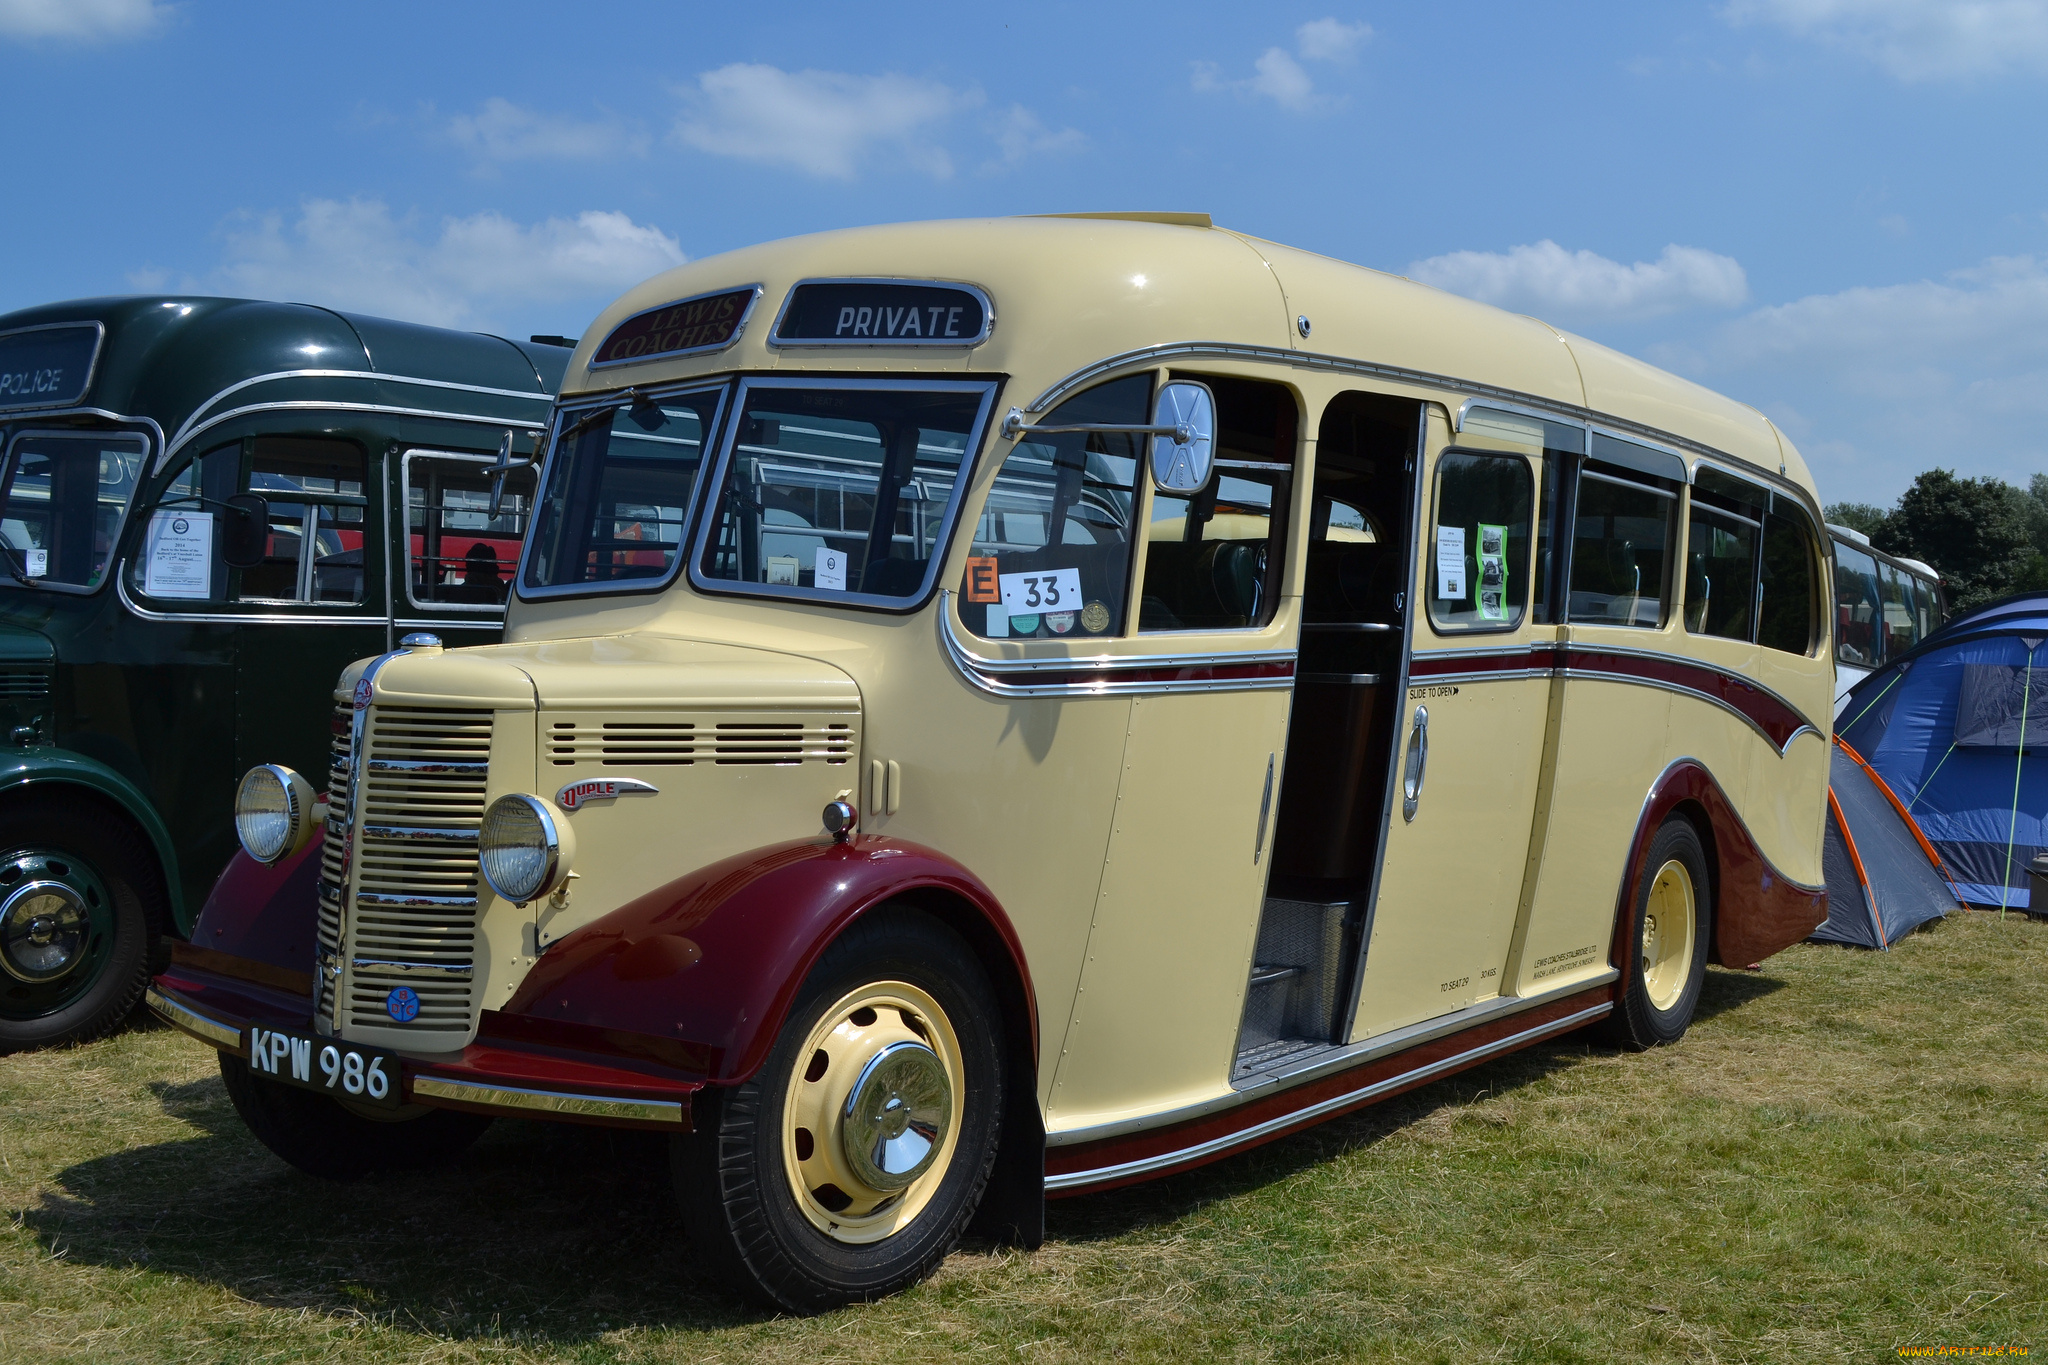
(178, 555)
(1450, 563)
(830, 570)
(1044, 590)
(36, 562)
(1493, 572)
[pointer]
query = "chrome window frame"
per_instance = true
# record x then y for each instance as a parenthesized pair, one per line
(565, 411)
(978, 438)
(115, 559)
(738, 329)
(405, 528)
(92, 368)
(988, 315)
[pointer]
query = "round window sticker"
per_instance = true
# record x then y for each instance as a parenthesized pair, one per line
(1095, 618)
(180, 526)
(1059, 622)
(1024, 625)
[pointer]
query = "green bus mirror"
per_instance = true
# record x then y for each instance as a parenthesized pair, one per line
(245, 530)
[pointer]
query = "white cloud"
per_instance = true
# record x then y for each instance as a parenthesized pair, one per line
(1022, 134)
(1890, 380)
(80, 20)
(1330, 40)
(1277, 76)
(826, 123)
(355, 254)
(1546, 279)
(503, 131)
(1917, 40)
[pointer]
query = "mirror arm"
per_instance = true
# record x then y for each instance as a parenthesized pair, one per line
(1014, 429)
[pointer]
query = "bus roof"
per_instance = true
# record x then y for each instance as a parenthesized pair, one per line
(1071, 291)
(173, 359)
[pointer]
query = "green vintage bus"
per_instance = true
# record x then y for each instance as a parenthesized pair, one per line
(208, 507)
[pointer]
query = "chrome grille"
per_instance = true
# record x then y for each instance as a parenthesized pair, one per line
(333, 865)
(414, 917)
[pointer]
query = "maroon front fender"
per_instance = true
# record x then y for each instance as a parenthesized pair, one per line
(713, 959)
(267, 915)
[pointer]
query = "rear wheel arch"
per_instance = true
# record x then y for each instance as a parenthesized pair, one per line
(106, 796)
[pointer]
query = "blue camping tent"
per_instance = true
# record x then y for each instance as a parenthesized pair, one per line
(1954, 726)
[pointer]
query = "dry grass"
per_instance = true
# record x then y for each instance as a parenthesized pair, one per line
(1848, 1154)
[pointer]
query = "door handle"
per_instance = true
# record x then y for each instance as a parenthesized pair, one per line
(1416, 767)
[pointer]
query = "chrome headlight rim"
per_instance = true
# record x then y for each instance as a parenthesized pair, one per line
(554, 843)
(294, 800)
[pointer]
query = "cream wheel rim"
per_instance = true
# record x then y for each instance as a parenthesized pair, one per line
(873, 1110)
(1668, 935)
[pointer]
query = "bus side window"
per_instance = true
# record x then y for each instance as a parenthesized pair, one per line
(1721, 548)
(1062, 504)
(457, 552)
(317, 519)
(1479, 542)
(1213, 558)
(1625, 529)
(1858, 608)
(1788, 619)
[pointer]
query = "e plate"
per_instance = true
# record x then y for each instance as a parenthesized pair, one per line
(403, 1004)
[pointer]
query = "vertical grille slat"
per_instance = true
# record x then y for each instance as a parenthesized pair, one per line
(416, 896)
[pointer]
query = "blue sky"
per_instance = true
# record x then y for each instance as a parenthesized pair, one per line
(1834, 209)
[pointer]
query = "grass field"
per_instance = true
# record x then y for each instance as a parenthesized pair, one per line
(1848, 1155)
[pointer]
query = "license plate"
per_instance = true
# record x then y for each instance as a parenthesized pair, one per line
(367, 1075)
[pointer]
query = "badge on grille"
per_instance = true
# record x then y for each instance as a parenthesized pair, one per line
(403, 1004)
(362, 695)
(601, 789)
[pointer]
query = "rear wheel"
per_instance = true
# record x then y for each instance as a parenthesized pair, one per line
(325, 1137)
(81, 915)
(1667, 962)
(851, 1163)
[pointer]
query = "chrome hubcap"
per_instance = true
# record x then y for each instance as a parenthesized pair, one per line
(43, 929)
(897, 1116)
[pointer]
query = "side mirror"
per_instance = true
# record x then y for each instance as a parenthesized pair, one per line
(1184, 451)
(245, 530)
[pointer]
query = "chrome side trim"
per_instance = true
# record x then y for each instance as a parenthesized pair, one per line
(1324, 1063)
(1534, 404)
(178, 1014)
(551, 1101)
(1665, 685)
(222, 618)
(991, 675)
(178, 438)
(323, 405)
(440, 971)
(1217, 1146)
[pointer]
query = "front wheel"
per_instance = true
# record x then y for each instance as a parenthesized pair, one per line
(1668, 938)
(334, 1140)
(850, 1164)
(81, 914)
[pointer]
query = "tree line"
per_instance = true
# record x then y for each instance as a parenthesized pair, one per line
(1984, 537)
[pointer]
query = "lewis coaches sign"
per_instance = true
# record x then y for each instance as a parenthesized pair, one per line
(708, 322)
(48, 367)
(883, 313)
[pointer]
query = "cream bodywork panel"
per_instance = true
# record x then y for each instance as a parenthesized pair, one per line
(1155, 1021)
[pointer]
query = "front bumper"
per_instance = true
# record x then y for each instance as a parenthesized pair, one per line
(513, 1069)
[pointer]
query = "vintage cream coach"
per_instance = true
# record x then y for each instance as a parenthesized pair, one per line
(1007, 708)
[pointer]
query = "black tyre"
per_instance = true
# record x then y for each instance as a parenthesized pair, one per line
(325, 1137)
(1669, 932)
(82, 915)
(848, 1167)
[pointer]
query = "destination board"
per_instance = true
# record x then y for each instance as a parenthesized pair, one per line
(47, 367)
(707, 322)
(882, 313)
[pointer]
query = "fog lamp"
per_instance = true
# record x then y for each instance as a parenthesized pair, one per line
(525, 847)
(273, 812)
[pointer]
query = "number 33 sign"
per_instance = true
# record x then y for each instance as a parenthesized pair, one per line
(1045, 590)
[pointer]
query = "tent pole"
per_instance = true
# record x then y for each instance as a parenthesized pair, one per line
(1873, 701)
(2019, 757)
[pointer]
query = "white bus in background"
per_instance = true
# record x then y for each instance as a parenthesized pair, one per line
(1884, 606)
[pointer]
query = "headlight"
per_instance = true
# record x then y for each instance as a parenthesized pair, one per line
(273, 812)
(525, 847)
